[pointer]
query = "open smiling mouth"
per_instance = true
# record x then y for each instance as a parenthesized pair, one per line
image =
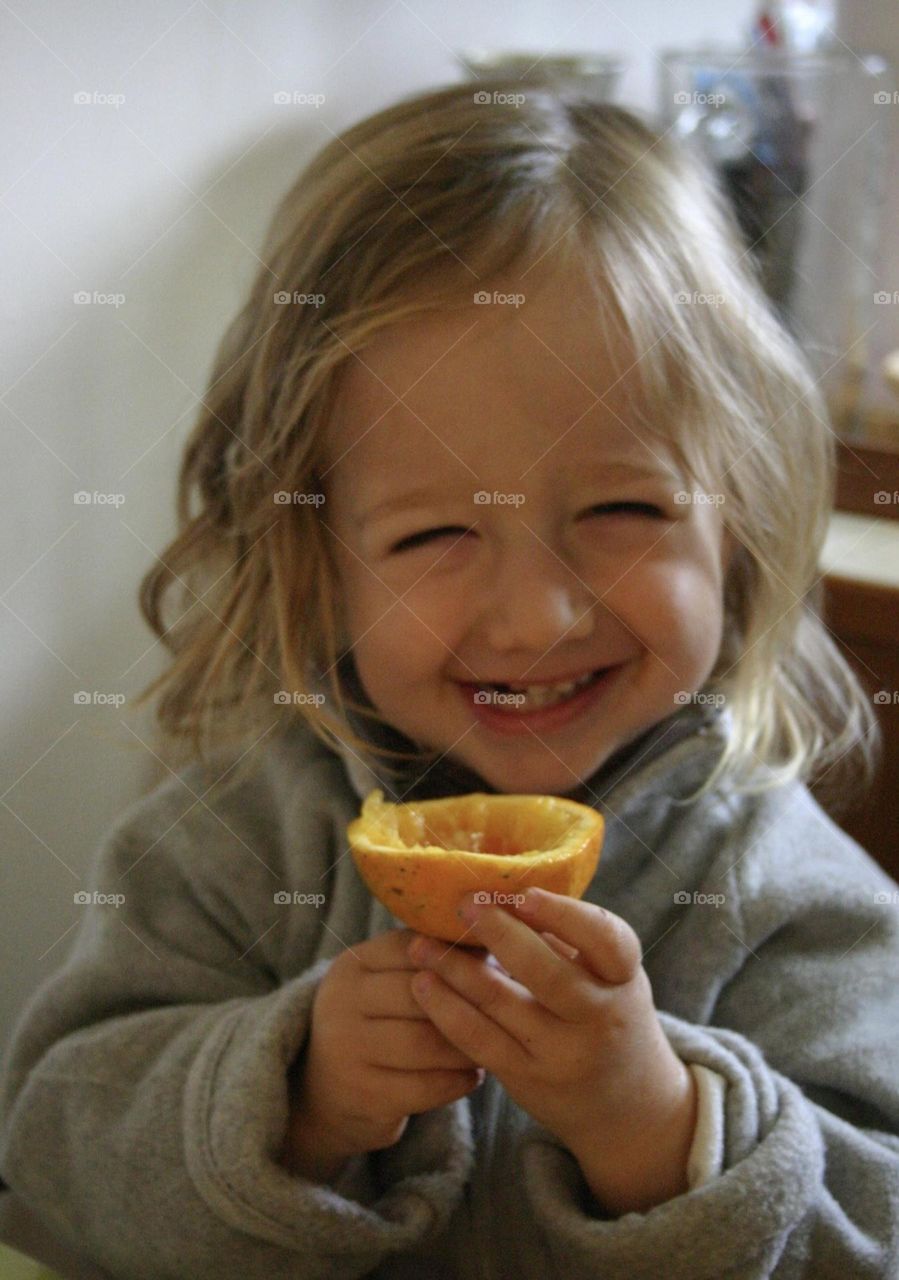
(547, 706)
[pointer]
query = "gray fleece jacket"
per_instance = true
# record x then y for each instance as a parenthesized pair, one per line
(144, 1097)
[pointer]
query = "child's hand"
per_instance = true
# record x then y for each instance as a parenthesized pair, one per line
(372, 1059)
(569, 1027)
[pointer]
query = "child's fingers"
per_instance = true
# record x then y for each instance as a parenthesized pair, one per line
(561, 948)
(413, 1092)
(386, 951)
(388, 994)
(479, 1014)
(402, 1044)
(559, 987)
(608, 946)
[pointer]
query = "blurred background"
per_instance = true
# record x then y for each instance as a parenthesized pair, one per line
(146, 149)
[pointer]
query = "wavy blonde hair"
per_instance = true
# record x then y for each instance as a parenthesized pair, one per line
(377, 227)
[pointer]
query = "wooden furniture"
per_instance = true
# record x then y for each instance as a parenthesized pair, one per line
(861, 608)
(868, 481)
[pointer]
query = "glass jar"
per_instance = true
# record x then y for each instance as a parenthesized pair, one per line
(596, 75)
(798, 144)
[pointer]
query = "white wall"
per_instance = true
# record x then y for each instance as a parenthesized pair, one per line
(164, 199)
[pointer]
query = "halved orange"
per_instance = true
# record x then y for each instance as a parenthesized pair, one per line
(421, 859)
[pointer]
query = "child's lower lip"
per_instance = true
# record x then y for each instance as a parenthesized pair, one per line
(541, 719)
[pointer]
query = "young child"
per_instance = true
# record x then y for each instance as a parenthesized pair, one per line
(506, 407)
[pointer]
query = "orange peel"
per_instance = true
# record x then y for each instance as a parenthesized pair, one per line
(421, 859)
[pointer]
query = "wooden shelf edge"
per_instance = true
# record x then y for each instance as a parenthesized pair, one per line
(861, 610)
(863, 474)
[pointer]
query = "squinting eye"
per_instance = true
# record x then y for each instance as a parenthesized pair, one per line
(419, 539)
(629, 508)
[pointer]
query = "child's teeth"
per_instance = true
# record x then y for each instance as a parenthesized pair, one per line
(544, 694)
(541, 695)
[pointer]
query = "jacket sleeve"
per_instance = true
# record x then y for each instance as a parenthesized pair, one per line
(805, 1033)
(145, 1095)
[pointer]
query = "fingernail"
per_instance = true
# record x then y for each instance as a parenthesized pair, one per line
(422, 984)
(424, 950)
(530, 903)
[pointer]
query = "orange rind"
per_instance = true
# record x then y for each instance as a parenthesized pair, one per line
(421, 859)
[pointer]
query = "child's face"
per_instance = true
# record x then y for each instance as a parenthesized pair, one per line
(540, 587)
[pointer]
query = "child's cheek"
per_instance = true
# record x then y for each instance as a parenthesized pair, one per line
(682, 610)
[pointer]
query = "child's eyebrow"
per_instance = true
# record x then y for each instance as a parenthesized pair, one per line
(399, 502)
(418, 497)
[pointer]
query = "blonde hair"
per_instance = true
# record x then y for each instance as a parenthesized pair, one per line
(406, 212)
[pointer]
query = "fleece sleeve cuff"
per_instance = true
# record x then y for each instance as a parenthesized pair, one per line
(236, 1110)
(773, 1161)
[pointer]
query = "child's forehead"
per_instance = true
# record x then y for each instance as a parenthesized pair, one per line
(524, 376)
(548, 331)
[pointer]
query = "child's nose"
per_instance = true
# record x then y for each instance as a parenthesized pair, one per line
(534, 600)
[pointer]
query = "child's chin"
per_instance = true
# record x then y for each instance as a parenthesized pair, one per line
(546, 778)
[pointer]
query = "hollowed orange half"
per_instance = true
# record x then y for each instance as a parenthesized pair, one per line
(421, 859)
